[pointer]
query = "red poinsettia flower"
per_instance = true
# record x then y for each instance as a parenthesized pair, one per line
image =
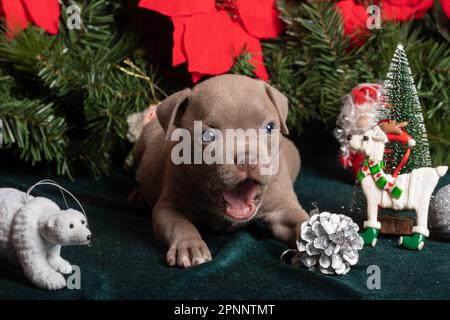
(354, 13)
(403, 10)
(210, 34)
(354, 17)
(20, 13)
(446, 7)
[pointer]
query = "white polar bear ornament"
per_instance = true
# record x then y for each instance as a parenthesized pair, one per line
(32, 231)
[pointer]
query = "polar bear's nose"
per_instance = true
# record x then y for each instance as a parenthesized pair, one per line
(89, 237)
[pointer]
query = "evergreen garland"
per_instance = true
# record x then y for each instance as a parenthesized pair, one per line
(84, 78)
(33, 127)
(315, 65)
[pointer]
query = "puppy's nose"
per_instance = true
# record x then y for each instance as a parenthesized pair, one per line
(246, 167)
(246, 162)
(349, 137)
(89, 237)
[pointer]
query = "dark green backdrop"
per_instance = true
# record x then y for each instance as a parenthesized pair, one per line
(125, 262)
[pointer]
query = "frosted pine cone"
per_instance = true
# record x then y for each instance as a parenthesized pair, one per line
(329, 242)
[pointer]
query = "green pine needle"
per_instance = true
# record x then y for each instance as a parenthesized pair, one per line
(95, 71)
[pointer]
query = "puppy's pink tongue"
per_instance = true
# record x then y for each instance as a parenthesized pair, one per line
(239, 201)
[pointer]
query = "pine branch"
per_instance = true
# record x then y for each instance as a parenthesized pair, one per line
(315, 66)
(22, 51)
(32, 127)
(124, 90)
(95, 72)
(242, 65)
(313, 63)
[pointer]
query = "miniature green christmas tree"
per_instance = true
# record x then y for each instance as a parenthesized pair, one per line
(405, 106)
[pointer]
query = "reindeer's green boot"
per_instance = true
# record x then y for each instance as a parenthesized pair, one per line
(370, 236)
(414, 242)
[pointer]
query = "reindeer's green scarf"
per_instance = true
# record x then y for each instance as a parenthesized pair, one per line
(375, 168)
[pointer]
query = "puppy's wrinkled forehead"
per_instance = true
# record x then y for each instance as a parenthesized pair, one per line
(225, 102)
(232, 102)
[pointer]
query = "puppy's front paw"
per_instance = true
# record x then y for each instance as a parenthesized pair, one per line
(187, 253)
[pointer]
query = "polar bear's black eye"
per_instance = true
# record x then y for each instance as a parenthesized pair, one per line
(83, 222)
(71, 226)
(365, 138)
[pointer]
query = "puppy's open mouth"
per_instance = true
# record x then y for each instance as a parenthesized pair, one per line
(240, 201)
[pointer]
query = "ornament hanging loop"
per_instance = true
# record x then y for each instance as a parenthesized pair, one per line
(61, 189)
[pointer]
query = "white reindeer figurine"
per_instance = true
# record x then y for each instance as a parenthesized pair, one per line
(407, 191)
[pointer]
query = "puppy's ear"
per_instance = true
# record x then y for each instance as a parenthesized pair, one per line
(281, 103)
(379, 135)
(171, 109)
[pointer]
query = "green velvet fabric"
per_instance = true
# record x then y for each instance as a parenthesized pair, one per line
(125, 262)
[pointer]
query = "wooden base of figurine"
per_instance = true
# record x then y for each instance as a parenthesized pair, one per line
(396, 225)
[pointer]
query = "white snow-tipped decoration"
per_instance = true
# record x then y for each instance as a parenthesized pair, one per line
(402, 95)
(328, 243)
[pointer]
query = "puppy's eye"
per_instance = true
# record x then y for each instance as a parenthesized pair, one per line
(208, 135)
(71, 226)
(83, 222)
(365, 138)
(269, 127)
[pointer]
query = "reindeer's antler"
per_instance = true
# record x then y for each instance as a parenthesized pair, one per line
(393, 127)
